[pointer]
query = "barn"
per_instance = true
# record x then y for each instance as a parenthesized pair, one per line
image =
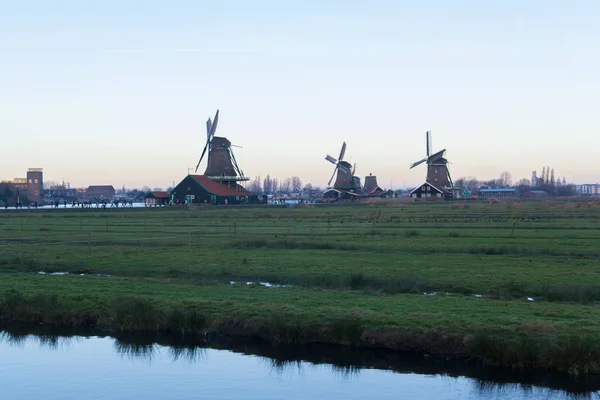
(428, 191)
(198, 189)
(503, 193)
(100, 192)
(157, 198)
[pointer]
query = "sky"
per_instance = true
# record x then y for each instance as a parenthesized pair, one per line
(118, 92)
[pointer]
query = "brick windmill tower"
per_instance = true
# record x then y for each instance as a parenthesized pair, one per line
(221, 166)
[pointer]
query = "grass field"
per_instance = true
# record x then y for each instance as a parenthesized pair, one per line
(514, 284)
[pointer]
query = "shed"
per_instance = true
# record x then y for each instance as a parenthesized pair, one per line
(504, 193)
(157, 198)
(100, 192)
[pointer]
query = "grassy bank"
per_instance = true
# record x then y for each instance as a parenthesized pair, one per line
(522, 279)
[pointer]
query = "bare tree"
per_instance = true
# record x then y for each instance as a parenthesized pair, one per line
(296, 183)
(254, 185)
(544, 175)
(524, 182)
(505, 179)
(275, 185)
(552, 181)
(286, 185)
(267, 184)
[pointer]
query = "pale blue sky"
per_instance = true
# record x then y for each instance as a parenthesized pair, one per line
(118, 92)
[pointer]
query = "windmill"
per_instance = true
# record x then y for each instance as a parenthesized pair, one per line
(221, 165)
(438, 174)
(345, 172)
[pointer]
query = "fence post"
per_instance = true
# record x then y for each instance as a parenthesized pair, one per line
(89, 242)
(189, 237)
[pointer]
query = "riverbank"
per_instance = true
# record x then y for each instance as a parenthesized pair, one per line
(500, 285)
(515, 334)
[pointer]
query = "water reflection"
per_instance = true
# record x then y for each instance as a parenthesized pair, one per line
(345, 363)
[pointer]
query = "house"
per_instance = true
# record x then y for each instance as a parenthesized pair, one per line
(340, 194)
(157, 198)
(427, 190)
(100, 192)
(194, 189)
(504, 193)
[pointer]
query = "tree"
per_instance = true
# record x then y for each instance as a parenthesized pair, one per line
(564, 181)
(552, 182)
(544, 175)
(524, 182)
(296, 183)
(286, 185)
(547, 181)
(268, 184)
(307, 188)
(254, 185)
(275, 185)
(460, 182)
(505, 179)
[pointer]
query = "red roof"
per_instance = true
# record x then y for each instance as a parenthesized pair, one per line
(159, 195)
(221, 189)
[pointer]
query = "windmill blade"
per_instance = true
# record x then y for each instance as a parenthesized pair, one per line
(417, 163)
(354, 169)
(334, 171)
(234, 162)
(208, 128)
(200, 160)
(331, 159)
(213, 126)
(428, 142)
(341, 157)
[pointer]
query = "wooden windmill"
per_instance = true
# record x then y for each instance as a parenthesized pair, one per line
(345, 179)
(221, 165)
(438, 173)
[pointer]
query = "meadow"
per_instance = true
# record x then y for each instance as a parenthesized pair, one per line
(514, 284)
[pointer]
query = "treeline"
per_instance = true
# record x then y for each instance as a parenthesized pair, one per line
(271, 185)
(547, 182)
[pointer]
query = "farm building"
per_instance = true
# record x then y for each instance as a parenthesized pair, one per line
(106, 192)
(340, 194)
(505, 193)
(157, 198)
(195, 189)
(427, 190)
(535, 194)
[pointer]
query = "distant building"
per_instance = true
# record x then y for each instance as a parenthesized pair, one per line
(504, 193)
(157, 198)
(589, 189)
(535, 194)
(29, 189)
(100, 192)
(200, 189)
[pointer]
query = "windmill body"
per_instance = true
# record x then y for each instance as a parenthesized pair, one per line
(438, 182)
(221, 165)
(343, 173)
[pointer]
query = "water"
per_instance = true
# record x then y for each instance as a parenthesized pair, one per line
(92, 367)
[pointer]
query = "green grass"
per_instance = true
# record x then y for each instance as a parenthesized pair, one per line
(358, 274)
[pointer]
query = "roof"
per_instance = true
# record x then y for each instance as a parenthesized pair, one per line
(504, 190)
(158, 195)
(341, 191)
(220, 189)
(537, 192)
(427, 183)
(101, 187)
